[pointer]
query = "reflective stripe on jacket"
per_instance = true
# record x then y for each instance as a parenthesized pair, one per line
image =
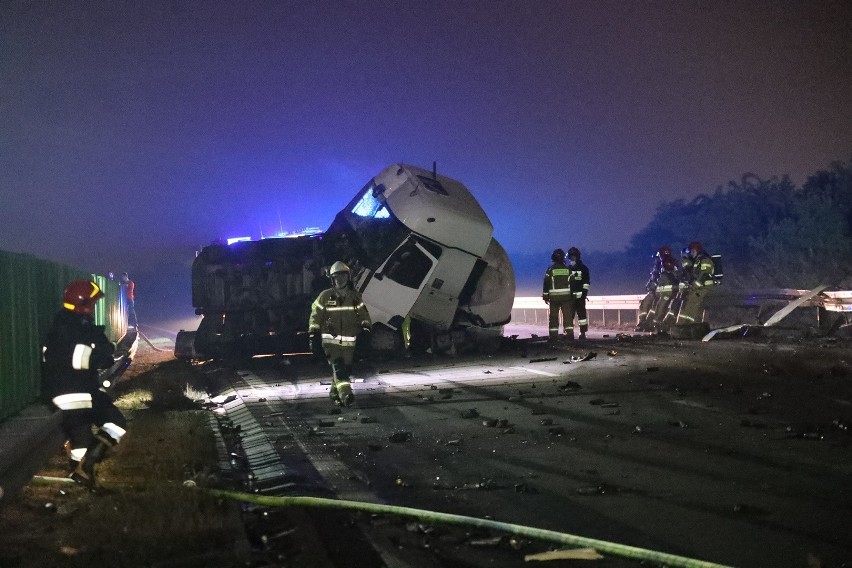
(339, 315)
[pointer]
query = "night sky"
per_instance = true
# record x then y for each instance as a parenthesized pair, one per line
(133, 133)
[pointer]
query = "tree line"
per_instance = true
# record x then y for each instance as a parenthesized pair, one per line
(770, 233)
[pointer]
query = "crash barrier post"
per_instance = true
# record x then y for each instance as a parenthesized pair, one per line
(533, 310)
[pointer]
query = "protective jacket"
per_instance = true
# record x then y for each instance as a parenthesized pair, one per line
(339, 315)
(579, 280)
(655, 274)
(73, 351)
(702, 270)
(557, 282)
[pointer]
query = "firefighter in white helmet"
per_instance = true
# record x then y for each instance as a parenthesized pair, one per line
(338, 318)
(73, 351)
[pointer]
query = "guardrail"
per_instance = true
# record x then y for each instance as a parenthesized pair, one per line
(532, 309)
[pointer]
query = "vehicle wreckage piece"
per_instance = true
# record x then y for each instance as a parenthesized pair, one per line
(421, 253)
(742, 328)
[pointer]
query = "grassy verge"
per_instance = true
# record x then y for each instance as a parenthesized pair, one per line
(143, 514)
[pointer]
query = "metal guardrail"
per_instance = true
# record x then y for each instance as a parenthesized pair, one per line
(532, 309)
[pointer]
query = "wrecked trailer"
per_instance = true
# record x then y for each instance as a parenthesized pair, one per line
(422, 255)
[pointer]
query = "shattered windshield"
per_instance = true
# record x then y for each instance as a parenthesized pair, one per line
(370, 227)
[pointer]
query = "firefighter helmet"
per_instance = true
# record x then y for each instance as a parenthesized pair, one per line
(668, 263)
(558, 256)
(574, 252)
(664, 251)
(80, 296)
(338, 267)
(695, 247)
(686, 252)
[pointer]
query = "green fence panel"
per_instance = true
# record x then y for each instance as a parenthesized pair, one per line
(30, 295)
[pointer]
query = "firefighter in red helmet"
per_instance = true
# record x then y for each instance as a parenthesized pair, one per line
(556, 293)
(73, 351)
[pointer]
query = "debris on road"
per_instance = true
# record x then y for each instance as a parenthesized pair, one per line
(400, 436)
(470, 413)
(571, 554)
(543, 360)
(587, 357)
(570, 385)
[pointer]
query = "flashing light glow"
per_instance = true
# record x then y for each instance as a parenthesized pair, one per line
(238, 240)
(308, 231)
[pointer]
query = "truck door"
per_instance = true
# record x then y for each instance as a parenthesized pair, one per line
(397, 284)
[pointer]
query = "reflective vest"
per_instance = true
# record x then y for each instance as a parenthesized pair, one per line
(557, 282)
(579, 279)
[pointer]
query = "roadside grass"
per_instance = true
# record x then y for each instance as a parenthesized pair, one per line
(148, 510)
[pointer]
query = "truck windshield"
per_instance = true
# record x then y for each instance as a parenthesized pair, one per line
(369, 226)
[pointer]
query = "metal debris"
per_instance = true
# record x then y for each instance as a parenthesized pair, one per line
(400, 436)
(571, 554)
(587, 357)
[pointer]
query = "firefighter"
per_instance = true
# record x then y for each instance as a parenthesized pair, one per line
(646, 306)
(73, 351)
(579, 290)
(667, 289)
(556, 293)
(338, 317)
(700, 278)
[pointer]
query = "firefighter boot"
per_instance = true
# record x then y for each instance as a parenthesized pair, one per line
(334, 395)
(346, 395)
(84, 474)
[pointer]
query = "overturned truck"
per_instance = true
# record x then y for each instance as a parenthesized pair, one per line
(422, 255)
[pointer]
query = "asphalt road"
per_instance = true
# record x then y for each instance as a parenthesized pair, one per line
(733, 452)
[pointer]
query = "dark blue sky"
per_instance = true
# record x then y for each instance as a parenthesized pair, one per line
(134, 133)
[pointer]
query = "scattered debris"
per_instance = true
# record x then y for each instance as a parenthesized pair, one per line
(571, 554)
(587, 357)
(556, 430)
(601, 489)
(470, 413)
(678, 423)
(543, 360)
(491, 542)
(570, 385)
(367, 420)
(597, 401)
(610, 405)
(490, 422)
(547, 421)
(613, 353)
(637, 430)
(400, 436)
(652, 369)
